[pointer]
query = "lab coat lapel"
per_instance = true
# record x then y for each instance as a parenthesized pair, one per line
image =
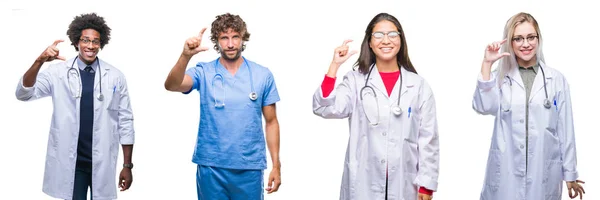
(538, 82)
(406, 83)
(516, 77)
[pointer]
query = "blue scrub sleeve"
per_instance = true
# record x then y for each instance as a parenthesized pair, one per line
(271, 95)
(194, 72)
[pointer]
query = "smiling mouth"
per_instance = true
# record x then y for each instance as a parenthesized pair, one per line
(526, 52)
(386, 49)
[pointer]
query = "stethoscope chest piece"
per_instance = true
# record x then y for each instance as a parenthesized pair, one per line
(547, 103)
(100, 97)
(397, 110)
(253, 96)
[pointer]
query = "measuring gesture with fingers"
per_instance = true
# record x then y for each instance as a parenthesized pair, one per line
(491, 55)
(51, 53)
(340, 56)
(192, 45)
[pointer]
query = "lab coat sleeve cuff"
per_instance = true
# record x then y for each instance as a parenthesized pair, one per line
(127, 138)
(427, 182)
(324, 101)
(485, 85)
(570, 176)
(22, 90)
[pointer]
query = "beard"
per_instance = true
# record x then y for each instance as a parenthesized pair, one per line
(237, 55)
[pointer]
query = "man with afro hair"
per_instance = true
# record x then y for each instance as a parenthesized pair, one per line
(234, 94)
(92, 115)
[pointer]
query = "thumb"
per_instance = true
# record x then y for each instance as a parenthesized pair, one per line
(571, 192)
(505, 54)
(61, 58)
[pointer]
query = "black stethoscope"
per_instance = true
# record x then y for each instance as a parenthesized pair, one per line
(547, 103)
(253, 96)
(73, 71)
(395, 109)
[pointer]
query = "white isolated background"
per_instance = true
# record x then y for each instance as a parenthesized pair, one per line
(295, 40)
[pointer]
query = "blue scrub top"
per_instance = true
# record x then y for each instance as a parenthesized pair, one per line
(232, 136)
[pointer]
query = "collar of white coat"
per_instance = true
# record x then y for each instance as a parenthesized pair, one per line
(515, 75)
(104, 67)
(376, 81)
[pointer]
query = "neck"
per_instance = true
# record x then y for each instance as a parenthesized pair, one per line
(526, 64)
(231, 64)
(86, 62)
(387, 66)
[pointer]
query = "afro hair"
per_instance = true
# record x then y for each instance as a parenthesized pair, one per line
(88, 21)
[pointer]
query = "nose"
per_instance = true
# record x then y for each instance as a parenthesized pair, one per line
(386, 39)
(526, 43)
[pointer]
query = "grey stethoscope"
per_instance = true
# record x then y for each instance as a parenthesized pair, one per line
(75, 71)
(395, 109)
(547, 103)
(253, 96)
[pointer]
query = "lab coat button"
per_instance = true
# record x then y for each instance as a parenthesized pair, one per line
(522, 121)
(522, 146)
(382, 161)
(383, 134)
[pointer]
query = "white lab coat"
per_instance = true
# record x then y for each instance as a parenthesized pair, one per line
(551, 141)
(409, 147)
(113, 124)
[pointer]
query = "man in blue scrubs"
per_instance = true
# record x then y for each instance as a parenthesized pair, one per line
(234, 94)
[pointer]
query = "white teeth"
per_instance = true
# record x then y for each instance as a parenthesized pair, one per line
(386, 49)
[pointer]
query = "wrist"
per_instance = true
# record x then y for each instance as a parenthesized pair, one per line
(128, 165)
(333, 67)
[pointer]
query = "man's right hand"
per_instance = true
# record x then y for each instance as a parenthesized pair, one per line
(192, 45)
(51, 53)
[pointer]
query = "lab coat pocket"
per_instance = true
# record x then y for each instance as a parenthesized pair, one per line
(552, 120)
(552, 180)
(409, 189)
(113, 106)
(493, 172)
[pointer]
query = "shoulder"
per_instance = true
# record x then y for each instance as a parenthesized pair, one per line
(555, 75)
(112, 69)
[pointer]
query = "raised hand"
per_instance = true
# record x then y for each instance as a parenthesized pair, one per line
(492, 54)
(51, 53)
(341, 54)
(192, 45)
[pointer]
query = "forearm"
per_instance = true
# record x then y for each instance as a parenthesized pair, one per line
(127, 153)
(177, 74)
(486, 68)
(30, 76)
(272, 129)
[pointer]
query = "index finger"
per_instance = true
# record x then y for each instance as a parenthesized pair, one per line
(503, 41)
(202, 32)
(346, 42)
(56, 42)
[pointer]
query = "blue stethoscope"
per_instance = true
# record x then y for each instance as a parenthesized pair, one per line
(547, 103)
(253, 96)
(74, 71)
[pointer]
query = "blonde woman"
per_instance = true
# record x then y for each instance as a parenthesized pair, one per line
(533, 143)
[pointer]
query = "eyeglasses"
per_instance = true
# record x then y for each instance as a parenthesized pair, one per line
(87, 41)
(392, 35)
(519, 40)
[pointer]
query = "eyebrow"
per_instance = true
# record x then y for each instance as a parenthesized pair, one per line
(530, 34)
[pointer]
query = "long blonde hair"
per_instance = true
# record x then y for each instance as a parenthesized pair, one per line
(508, 62)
